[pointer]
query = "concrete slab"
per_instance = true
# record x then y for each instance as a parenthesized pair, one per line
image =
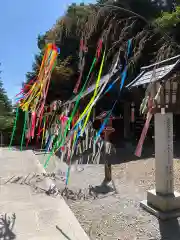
(14, 192)
(36, 215)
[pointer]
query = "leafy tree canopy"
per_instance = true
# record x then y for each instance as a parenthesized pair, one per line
(6, 116)
(151, 40)
(169, 22)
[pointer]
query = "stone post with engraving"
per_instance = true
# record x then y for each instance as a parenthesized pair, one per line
(163, 201)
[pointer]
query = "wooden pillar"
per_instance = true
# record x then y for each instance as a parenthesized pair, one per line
(108, 172)
(107, 151)
(132, 119)
(127, 111)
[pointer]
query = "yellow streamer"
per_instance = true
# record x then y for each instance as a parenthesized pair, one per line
(36, 91)
(94, 95)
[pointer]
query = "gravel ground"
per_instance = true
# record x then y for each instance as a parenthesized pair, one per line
(119, 216)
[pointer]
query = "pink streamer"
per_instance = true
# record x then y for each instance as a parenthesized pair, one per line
(138, 151)
(33, 123)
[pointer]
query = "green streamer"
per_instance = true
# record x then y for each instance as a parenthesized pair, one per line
(14, 127)
(24, 129)
(76, 104)
(71, 117)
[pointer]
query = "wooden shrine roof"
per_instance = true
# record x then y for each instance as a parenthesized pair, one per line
(155, 72)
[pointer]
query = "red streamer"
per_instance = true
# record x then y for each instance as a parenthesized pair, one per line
(33, 123)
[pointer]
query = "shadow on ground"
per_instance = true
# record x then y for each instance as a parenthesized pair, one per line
(170, 229)
(102, 189)
(6, 227)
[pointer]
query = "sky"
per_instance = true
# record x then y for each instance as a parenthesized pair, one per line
(20, 23)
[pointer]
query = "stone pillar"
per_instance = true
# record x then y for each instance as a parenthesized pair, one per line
(163, 202)
(164, 153)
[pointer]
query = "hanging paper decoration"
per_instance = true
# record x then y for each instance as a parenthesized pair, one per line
(32, 97)
(58, 144)
(62, 131)
(123, 77)
(95, 93)
(82, 53)
(83, 89)
(88, 109)
(107, 77)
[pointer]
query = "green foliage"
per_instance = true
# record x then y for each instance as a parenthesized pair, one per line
(93, 21)
(6, 116)
(41, 42)
(169, 20)
(146, 8)
(66, 34)
(169, 23)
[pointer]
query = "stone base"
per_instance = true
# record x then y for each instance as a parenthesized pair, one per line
(159, 214)
(163, 207)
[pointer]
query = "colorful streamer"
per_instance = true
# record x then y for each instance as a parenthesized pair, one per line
(58, 144)
(95, 93)
(14, 127)
(123, 77)
(32, 97)
(138, 151)
(24, 129)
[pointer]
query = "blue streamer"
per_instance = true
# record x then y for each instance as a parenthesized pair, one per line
(78, 135)
(102, 127)
(48, 143)
(129, 47)
(109, 88)
(123, 77)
